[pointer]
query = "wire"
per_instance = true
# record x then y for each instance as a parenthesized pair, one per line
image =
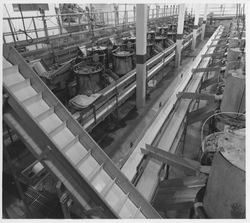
(28, 37)
(219, 113)
(11, 22)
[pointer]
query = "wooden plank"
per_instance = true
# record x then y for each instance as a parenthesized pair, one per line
(171, 159)
(195, 96)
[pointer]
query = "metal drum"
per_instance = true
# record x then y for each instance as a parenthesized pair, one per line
(88, 77)
(234, 94)
(225, 190)
(122, 62)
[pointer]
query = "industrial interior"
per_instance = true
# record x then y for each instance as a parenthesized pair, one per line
(123, 111)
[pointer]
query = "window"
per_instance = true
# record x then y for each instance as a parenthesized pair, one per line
(30, 7)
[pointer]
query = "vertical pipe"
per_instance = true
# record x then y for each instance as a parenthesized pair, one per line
(179, 36)
(141, 54)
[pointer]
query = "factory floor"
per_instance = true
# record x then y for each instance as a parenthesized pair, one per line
(136, 122)
(120, 143)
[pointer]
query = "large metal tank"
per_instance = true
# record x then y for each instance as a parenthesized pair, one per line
(234, 94)
(225, 190)
(122, 62)
(88, 78)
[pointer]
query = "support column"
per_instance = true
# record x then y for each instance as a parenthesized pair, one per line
(141, 54)
(196, 20)
(179, 36)
(204, 23)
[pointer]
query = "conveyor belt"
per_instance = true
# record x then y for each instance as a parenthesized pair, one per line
(151, 171)
(78, 161)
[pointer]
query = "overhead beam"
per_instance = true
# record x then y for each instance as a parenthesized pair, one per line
(186, 165)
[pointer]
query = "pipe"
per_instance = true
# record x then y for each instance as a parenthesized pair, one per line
(198, 204)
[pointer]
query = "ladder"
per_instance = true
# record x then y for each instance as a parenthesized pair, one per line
(66, 148)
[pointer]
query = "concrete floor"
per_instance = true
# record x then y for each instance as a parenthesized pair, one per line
(136, 122)
(119, 144)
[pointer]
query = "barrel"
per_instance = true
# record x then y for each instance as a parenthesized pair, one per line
(88, 78)
(122, 62)
(225, 194)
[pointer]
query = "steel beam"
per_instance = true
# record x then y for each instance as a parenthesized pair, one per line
(206, 69)
(186, 165)
(195, 96)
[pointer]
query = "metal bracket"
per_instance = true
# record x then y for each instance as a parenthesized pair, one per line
(187, 165)
(193, 96)
(218, 45)
(212, 55)
(207, 69)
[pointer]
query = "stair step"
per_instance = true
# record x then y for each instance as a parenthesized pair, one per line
(25, 93)
(88, 166)
(62, 138)
(128, 210)
(76, 152)
(101, 181)
(6, 64)
(10, 70)
(95, 172)
(108, 187)
(122, 203)
(37, 108)
(11, 78)
(32, 99)
(45, 114)
(139, 215)
(79, 164)
(49, 121)
(22, 84)
(115, 197)
(57, 130)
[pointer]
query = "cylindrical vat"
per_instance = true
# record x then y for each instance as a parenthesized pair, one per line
(225, 191)
(88, 78)
(122, 62)
(234, 94)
